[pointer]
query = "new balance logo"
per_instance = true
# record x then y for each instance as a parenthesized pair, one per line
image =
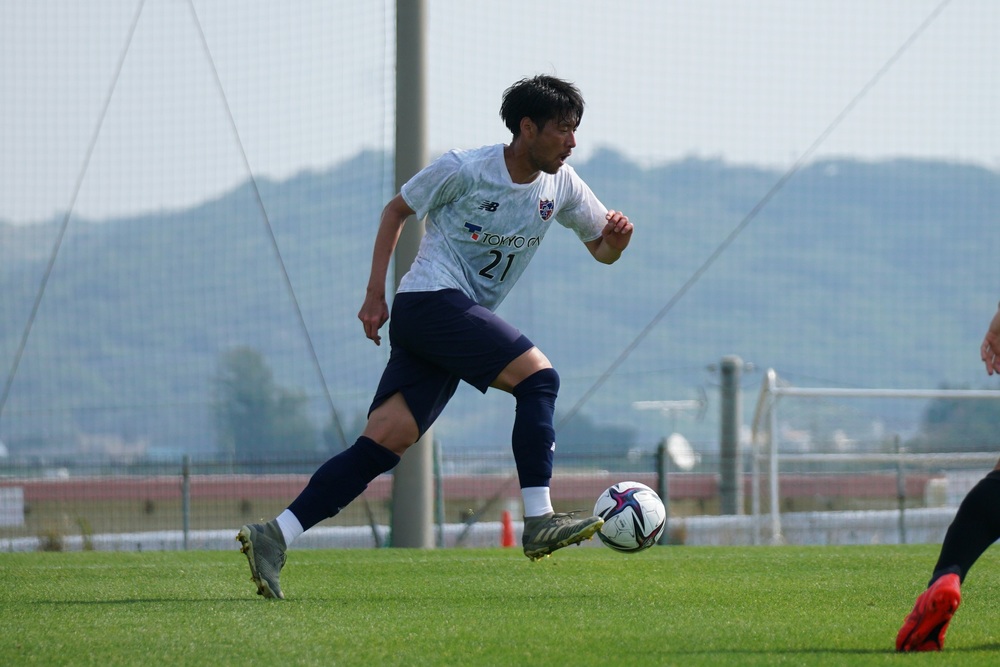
(490, 206)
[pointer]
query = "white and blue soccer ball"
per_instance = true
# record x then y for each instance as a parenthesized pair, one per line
(633, 515)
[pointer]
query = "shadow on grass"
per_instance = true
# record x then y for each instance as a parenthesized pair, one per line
(133, 601)
(826, 651)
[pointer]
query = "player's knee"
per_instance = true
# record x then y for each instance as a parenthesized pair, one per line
(393, 437)
(544, 381)
(392, 425)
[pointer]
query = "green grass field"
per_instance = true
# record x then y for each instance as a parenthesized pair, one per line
(583, 606)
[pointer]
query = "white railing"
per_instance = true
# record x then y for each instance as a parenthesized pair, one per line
(765, 441)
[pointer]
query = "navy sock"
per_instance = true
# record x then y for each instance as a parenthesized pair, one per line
(976, 526)
(340, 480)
(534, 436)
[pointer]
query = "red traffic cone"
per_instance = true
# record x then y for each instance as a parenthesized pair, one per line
(507, 530)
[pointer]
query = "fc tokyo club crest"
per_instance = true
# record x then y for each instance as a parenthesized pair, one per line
(545, 208)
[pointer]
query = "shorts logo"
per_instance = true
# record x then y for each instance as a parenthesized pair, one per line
(474, 229)
(545, 208)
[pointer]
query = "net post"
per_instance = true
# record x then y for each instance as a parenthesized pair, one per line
(662, 489)
(186, 497)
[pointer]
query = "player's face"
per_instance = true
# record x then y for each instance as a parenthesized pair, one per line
(553, 145)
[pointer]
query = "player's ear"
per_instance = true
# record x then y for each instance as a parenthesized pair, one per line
(528, 128)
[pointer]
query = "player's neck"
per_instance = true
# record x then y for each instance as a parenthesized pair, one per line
(519, 164)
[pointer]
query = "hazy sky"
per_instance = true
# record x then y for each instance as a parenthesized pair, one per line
(310, 82)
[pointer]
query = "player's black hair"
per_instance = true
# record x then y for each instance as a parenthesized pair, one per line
(541, 98)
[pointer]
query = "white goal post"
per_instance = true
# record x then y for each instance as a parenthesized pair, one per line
(765, 442)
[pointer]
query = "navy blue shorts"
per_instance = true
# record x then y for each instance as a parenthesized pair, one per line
(437, 339)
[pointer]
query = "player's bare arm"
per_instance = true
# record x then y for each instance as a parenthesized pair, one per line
(990, 349)
(375, 311)
(614, 238)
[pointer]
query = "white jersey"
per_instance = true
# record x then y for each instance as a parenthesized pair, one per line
(482, 228)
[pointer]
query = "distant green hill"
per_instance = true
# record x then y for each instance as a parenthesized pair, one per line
(852, 274)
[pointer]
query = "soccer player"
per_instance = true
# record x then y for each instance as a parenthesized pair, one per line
(976, 526)
(487, 212)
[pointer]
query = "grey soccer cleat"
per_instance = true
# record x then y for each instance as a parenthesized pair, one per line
(264, 546)
(544, 534)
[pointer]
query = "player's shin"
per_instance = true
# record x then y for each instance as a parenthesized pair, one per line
(340, 480)
(533, 438)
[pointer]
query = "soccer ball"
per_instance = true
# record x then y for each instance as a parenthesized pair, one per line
(633, 516)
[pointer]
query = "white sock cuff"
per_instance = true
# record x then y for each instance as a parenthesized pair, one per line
(290, 527)
(536, 500)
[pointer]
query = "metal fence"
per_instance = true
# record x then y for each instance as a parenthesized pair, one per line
(199, 504)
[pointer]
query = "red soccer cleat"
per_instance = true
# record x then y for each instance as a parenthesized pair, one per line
(924, 628)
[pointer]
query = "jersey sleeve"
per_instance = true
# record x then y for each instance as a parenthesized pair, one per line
(584, 213)
(435, 185)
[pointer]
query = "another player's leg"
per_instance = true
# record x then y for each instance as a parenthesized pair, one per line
(976, 526)
(925, 627)
(533, 441)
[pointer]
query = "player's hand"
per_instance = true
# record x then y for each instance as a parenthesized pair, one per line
(990, 349)
(617, 231)
(373, 314)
